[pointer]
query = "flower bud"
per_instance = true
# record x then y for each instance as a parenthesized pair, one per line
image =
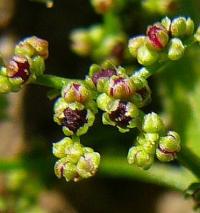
(102, 6)
(63, 168)
(96, 33)
(197, 34)
(168, 146)
(139, 157)
(33, 46)
(88, 164)
(146, 56)
(104, 102)
(75, 91)
(81, 42)
(37, 66)
(122, 114)
(178, 27)
(135, 43)
(18, 67)
(74, 118)
(152, 123)
(166, 23)
(176, 49)
(5, 85)
(120, 88)
(189, 26)
(157, 36)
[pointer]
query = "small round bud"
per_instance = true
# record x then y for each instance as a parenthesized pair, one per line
(120, 88)
(81, 42)
(146, 57)
(176, 49)
(135, 43)
(75, 92)
(5, 85)
(152, 123)
(189, 26)
(139, 157)
(102, 6)
(63, 168)
(197, 34)
(166, 23)
(170, 143)
(96, 34)
(165, 156)
(18, 67)
(59, 147)
(178, 27)
(157, 36)
(88, 164)
(103, 101)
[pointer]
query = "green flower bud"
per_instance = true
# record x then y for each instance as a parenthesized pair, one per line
(166, 23)
(32, 46)
(178, 27)
(37, 66)
(104, 101)
(170, 144)
(139, 157)
(197, 34)
(176, 49)
(88, 164)
(60, 147)
(189, 26)
(165, 156)
(74, 117)
(103, 6)
(157, 36)
(135, 43)
(5, 84)
(75, 91)
(63, 168)
(81, 42)
(146, 56)
(123, 115)
(152, 123)
(96, 34)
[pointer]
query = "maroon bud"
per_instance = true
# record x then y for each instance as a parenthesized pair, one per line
(18, 67)
(121, 88)
(103, 74)
(157, 36)
(74, 119)
(119, 115)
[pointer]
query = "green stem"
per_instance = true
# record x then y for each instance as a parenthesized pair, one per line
(53, 81)
(188, 159)
(169, 176)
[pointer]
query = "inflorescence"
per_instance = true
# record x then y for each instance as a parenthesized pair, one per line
(108, 87)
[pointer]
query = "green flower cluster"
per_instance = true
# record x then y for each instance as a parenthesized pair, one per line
(119, 95)
(26, 64)
(154, 141)
(163, 41)
(76, 162)
(98, 44)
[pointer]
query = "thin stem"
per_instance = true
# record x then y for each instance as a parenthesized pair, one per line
(169, 176)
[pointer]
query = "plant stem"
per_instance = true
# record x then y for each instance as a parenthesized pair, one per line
(169, 176)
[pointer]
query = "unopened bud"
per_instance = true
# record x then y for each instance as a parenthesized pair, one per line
(135, 43)
(166, 23)
(102, 6)
(178, 27)
(189, 26)
(176, 49)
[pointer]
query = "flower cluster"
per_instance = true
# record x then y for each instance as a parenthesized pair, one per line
(26, 64)
(163, 41)
(119, 95)
(154, 141)
(76, 162)
(95, 42)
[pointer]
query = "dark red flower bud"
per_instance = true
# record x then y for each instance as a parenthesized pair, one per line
(119, 115)
(157, 36)
(74, 119)
(18, 67)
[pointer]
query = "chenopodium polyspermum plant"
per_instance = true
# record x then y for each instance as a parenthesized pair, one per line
(111, 89)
